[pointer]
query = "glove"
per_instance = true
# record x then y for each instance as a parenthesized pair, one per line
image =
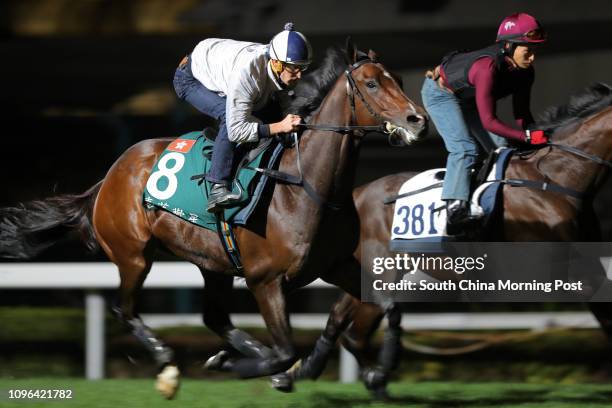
(536, 137)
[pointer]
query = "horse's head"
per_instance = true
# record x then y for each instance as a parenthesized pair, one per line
(377, 99)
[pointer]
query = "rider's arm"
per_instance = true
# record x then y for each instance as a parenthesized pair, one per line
(482, 77)
(521, 101)
(242, 126)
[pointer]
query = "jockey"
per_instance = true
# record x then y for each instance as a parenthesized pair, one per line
(229, 81)
(461, 93)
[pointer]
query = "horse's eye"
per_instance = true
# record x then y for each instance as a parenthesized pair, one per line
(371, 84)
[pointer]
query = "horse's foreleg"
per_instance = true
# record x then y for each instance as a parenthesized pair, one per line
(366, 318)
(271, 302)
(340, 317)
(376, 378)
(217, 290)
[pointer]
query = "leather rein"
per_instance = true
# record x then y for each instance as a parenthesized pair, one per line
(299, 180)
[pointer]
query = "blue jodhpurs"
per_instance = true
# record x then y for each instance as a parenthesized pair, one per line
(454, 121)
(188, 88)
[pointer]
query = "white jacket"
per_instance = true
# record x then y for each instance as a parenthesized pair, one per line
(241, 72)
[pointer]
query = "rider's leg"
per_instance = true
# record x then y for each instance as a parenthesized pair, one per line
(210, 103)
(445, 110)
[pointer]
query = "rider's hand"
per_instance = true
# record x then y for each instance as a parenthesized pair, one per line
(536, 137)
(289, 124)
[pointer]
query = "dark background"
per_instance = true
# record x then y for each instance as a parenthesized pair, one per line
(81, 81)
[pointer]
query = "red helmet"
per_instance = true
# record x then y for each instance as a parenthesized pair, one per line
(521, 28)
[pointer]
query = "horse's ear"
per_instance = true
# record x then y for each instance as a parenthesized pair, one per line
(372, 55)
(351, 51)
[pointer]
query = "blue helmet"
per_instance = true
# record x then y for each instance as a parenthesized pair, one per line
(290, 46)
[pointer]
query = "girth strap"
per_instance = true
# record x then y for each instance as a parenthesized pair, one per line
(229, 243)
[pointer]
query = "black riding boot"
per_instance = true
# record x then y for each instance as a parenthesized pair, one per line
(220, 196)
(457, 215)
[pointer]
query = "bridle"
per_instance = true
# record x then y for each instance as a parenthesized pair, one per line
(352, 90)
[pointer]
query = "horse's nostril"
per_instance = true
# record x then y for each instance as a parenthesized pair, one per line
(415, 119)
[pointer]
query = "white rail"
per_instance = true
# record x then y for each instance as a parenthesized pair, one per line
(91, 277)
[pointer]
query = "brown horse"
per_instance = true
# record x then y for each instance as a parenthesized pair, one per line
(291, 242)
(578, 159)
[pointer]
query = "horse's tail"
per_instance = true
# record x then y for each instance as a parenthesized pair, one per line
(31, 227)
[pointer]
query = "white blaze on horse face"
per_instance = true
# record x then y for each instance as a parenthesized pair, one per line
(388, 75)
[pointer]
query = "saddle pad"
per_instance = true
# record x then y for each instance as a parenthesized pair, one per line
(419, 219)
(171, 189)
(421, 214)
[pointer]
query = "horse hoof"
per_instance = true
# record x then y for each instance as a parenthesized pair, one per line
(215, 362)
(168, 381)
(295, 368)
(380, 394)
(374, 379)
(282, 382)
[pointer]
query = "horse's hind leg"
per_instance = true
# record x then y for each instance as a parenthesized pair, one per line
(217, 289)
(133, 271)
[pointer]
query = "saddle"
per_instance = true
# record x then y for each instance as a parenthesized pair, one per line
(175, 181)
(419, 222)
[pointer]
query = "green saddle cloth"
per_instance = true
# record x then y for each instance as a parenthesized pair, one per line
(171, 188)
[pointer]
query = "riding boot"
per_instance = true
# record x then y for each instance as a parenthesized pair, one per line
(457, 215)
(221, 196)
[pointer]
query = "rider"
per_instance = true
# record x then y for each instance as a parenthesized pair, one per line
(461, 93)
(229, 80)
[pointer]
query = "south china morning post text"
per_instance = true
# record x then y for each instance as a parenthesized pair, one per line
(495, 273)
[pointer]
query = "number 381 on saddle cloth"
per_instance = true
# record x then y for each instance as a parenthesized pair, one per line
(419, 217)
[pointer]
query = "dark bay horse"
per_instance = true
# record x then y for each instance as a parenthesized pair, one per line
(578, 158)
(292, 242)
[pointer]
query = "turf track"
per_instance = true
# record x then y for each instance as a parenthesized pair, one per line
(119, 393)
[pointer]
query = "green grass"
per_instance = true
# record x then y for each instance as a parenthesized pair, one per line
(256, 393)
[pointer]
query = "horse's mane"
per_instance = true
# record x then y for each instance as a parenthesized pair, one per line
(310, 90)
(581, 105)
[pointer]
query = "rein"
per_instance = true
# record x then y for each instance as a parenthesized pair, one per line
(535, 185)
(300, 180)
(580, 153)
(552, 187)
(353, 90)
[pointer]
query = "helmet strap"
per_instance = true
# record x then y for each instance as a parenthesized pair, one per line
(509, 48)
